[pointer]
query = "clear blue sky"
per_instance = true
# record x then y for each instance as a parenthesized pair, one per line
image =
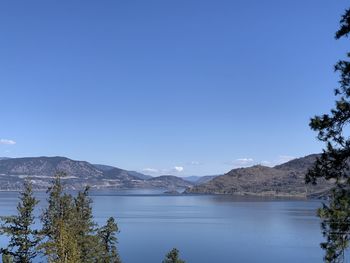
(203, 86)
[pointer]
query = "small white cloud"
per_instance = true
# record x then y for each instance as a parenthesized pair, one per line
(7, 142)
(150, 170)
(266, 163)
(279, 160)
(241, 162)
(247, 162)
(178, 169)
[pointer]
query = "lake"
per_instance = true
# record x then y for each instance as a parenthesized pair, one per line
(205, 228)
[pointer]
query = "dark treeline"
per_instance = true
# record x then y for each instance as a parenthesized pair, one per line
(334, 164)
(68, 233)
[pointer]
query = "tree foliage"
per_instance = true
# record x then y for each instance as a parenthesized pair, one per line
(333, 164)
(23, 237)
(72, 235)
(108, 240)
(173, 257)
(60, 244)
(85, 228)
(6, 258)
(68, 234)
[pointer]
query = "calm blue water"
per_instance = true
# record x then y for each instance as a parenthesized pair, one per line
(205, 228)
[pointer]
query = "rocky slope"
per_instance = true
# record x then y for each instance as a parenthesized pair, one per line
(40, 170)
(47, 166)
(282, 180)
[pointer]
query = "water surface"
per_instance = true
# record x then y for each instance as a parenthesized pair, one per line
(205, 228)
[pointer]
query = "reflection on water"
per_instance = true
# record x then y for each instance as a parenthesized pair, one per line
(205, 228)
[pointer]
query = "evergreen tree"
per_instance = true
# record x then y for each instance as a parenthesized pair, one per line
(64, 248)
(61, 244)
(68, 234)
(108, 239)
(23, 238)
(85, 228)
(173, 257)
(71, 234)
(333, 164)
(6, 258)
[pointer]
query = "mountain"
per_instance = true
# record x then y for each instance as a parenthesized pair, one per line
(48, 166)
(169, 181)
(40, 170)
(301, 165)
(103, 167)
(282, 180)
(205, 179)
(140, 175)
(106, 168)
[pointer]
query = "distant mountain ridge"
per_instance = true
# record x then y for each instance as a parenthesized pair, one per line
(282, 180)
(285, 180)
(106, 168)
(171, 181)
(40, 171)
(47, 166)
